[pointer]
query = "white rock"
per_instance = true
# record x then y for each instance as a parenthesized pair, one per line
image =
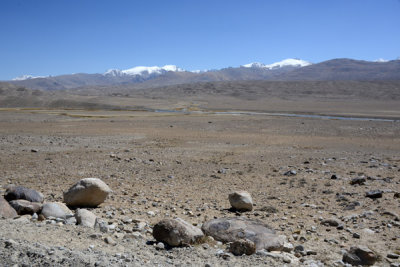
(85, 218)
(241, 200)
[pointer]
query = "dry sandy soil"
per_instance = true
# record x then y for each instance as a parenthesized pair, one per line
(186, 165)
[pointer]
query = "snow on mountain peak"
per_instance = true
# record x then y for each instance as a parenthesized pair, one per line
(290, 62)
(381, 60)
(142, 70)
(27, 77)
(254, 65)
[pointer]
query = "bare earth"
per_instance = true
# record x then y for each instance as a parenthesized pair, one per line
(186, 165)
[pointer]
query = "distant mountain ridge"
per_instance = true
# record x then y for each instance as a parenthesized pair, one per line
(285, 70)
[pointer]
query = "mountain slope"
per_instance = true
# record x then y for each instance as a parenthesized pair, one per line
(345, 69)
(286, 70)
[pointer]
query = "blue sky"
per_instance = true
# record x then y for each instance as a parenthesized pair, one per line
(52, 37)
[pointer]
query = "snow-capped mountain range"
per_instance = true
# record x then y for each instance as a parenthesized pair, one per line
(285, 70)
(290, 62)
(156, 70)
(142, 70)
(27, 77)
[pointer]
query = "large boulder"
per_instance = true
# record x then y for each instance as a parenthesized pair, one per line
(85, 218)
(177, 232)
(20, 192)
(234, 229)
(56, 209)
(360, 256)
(23, 206)
(88, 192)
(6, 211)
(241, 200)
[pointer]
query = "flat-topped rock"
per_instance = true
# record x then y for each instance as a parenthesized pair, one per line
(233, 229)
(176, 232)
(56, 210)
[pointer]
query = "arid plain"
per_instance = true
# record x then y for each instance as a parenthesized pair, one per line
(182, 162)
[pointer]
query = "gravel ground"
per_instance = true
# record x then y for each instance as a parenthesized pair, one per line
(167, 165)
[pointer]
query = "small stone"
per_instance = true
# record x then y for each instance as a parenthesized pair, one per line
(288, 247)
(242, 246)
(110, 241)
(392, 256)
(334, 177)
(356, 235)
(160, 246)
(151, 213)
(330, 222)
(298, 248)
(134, 235)
(358, 180)
(290, 173)
(95, 235)
(34, 217)
(374, 194)
(10, 243)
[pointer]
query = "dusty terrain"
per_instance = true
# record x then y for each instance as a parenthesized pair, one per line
(167, 164)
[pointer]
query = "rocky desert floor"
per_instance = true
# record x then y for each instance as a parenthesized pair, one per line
(178, 165)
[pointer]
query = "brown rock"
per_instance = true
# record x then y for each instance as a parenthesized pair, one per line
(360, 256)
(6, 211)
(176, 232)
(26, 207)
(242, 246)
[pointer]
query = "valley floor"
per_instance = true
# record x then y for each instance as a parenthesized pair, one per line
(166, 164)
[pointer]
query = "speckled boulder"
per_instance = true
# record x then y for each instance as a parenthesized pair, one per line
(234, 229)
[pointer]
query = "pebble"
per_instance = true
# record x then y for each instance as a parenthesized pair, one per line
(392, 256)
(290, 173)
(10, 243)
(110, 241)
(160, 246)
(356, 235)
(374, 194)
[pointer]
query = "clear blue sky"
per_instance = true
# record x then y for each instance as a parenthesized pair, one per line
(51, 37)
